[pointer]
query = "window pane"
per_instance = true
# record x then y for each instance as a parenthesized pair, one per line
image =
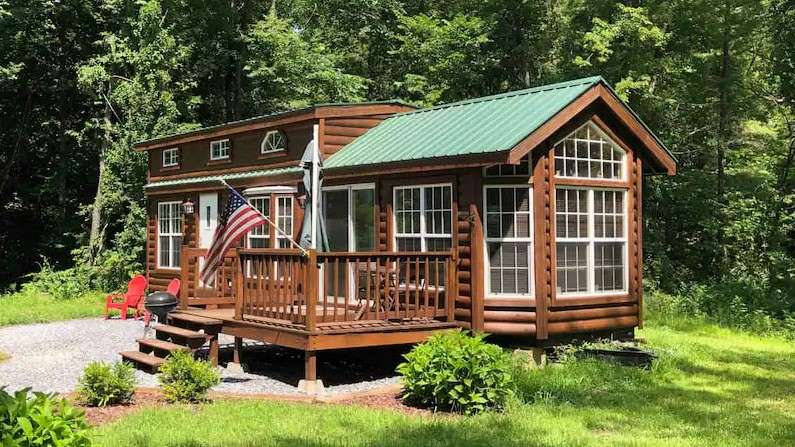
(572, 267)
(609, 266)
(408, 244)
(335, 204)
(587, 153)
(509, 267)
(364, 219)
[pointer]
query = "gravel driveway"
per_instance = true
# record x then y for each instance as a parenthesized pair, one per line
(51, 357)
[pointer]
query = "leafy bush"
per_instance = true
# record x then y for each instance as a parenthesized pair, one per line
(457, 372)
(40, 420)
(105, 384)
(60, 284)
(187, 379)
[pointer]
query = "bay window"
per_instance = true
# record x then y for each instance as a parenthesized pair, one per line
(591, 240)
(260, 236)
(423, 218)
(509, 236)
(169, 234)
(284, 220)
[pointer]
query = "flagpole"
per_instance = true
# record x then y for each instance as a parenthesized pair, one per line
(270, 222)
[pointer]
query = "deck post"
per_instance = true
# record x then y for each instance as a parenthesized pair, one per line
(312, 279)
(184, 277)
(452, 285)
(310, 384)
(238, 350)
(237, 279)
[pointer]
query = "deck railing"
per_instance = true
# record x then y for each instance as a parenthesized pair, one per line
(280, 285)
(195, 293)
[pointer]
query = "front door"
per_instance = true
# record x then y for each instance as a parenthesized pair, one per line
(208, 221)
(208, 218)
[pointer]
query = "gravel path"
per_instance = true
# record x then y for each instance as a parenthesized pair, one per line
(51, 357)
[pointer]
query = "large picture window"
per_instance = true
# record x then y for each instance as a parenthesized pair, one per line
(423, 218)
(284, 220)
(591, 240)
(509, 235)
(169, 234)
(589, 153)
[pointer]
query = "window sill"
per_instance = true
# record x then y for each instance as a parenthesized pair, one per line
(269, 155)
(220, 161)
(170, 168)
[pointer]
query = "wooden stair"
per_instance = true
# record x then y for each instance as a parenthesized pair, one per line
(184, 333)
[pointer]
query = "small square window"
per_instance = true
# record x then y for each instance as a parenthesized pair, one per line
(219, 150)
(170, 157)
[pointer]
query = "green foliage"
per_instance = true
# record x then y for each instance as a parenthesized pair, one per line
(60, 284)
(40, 420)
(104, 384)
(458, 372)
(187, 379)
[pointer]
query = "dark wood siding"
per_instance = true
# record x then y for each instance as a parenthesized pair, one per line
(339, 132)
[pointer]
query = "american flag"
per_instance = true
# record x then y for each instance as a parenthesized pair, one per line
(238, 219)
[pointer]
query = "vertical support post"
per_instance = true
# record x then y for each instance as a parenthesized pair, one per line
(638, 168)
(452, 285)
(238, 351)
(310, 365)
(543, 229)
(237, 279)
(477, 268)
(184, 277)
(311, 292)
(214, 350)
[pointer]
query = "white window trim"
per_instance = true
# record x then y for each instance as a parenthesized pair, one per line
(172, 262)
(351, 215)
(531, 241)
(262, 145)
(591, 240)
(604, 135)
(529, 170)
(169, 151)
(228, 150)
(423, 234)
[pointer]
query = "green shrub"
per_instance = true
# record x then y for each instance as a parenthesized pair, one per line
(105, 384)
(40, 420)
(60, 284)
(186, 379)
(457, 372)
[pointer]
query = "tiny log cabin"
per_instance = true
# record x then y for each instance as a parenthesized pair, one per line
(517, 214)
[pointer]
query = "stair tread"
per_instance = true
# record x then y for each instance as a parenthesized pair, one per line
(195, 319)
(140, 357)
(162, 344)
(179, 332)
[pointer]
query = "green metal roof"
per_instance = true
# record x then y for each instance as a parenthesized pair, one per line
(489, 124)
(233, 176)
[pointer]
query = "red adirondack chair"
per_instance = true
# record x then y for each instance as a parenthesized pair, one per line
(128, 300)
(173, 288)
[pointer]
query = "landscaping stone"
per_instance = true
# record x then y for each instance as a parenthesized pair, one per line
(50, 357)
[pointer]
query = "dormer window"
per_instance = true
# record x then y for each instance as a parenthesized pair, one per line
(219, 150)
(274, 141)
(589, 153)
(171, 157)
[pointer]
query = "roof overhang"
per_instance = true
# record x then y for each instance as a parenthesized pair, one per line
(208, 182)
(601, 92)
(308, 114)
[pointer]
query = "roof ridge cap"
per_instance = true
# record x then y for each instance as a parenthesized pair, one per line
(509, 94)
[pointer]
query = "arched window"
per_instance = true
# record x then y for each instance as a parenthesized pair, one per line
(274, 141)
(589, 153)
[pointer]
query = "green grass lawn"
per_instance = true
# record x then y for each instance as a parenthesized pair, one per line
(712, 387)
(32, 307)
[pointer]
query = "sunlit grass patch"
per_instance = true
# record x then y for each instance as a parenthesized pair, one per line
(33, 307)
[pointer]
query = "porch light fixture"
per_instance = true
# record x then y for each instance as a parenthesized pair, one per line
(187, 207)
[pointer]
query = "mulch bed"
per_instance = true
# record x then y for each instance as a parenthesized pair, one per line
(387, 398)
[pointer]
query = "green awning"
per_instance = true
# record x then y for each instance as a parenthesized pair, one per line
(478, 126)
(264, 173)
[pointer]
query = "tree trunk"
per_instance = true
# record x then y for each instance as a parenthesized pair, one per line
(723, 129)
(96, 234)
